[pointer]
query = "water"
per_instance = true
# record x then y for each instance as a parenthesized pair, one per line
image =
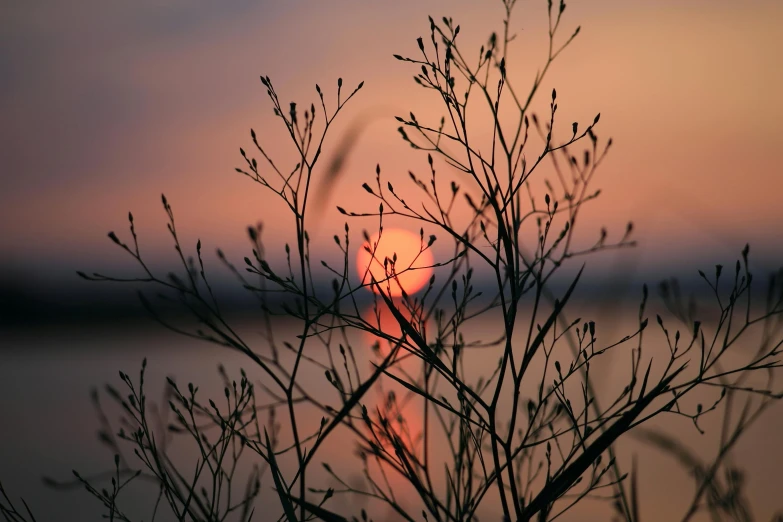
(48, 425)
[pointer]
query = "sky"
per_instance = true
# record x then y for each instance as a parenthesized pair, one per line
(106, 105)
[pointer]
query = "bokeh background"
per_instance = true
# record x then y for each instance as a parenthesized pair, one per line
(105, 105)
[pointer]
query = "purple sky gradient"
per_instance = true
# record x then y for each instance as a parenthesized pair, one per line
(105, 105)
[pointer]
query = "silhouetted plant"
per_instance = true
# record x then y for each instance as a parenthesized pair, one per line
(10, 511)
(531, 438)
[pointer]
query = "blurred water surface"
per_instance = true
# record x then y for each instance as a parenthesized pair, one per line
(48, 425)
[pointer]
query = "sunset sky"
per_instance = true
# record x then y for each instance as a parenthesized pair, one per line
(107, 104)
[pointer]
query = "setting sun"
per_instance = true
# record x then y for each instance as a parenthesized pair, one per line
(407, 246)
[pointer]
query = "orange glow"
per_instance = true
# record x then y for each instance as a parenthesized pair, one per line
(411, 270)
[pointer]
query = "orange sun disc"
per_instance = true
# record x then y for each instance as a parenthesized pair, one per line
(412, 268)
